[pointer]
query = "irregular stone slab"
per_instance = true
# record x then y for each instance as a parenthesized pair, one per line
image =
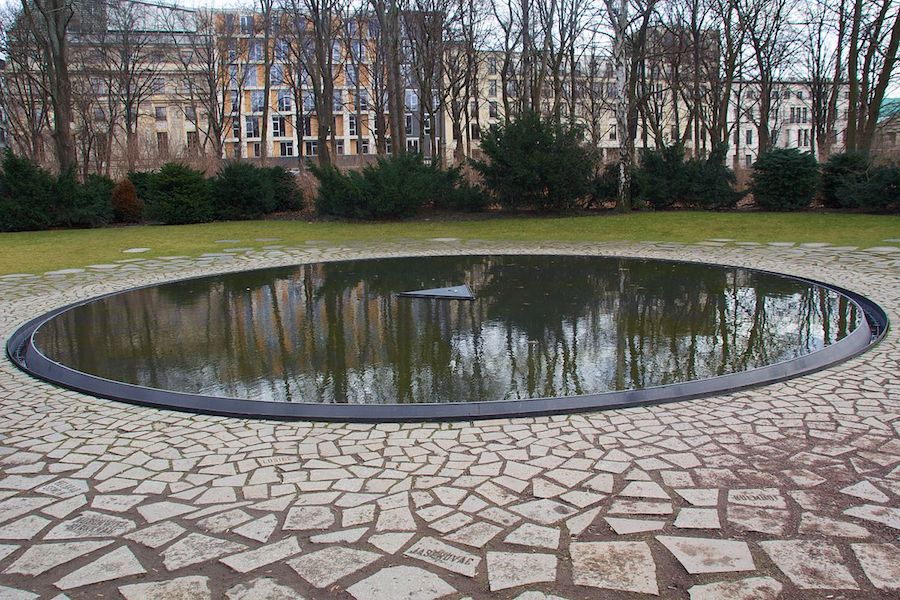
(347, 536)
(644, 489)
(697, 518)
(16, 507)
(222, 522)
(475, 535)
(537, 536)
(163, 511)
(577, 524)
(390, 542)
(699, 496)
(752, 588)
(64, 488)
(304, 518)
(640, 507)
(759, 497)
(764, 520)
(546, 512)
(43, 557)
(197, 548)
(182, 588)
(396, 519)
(811, 524)
(444, 556)
(864, 489)
(7, 549)
(880, 563)
(23, 529)
(512, 569)
(260, 557)
(700, 555)
(626, 526)
(115, 565)
(262, 588)
(880, 514)
(810, 565)
(626, 566)
(260, 530)
(117, 502)
(401, 583)
(8, 593)
(90, 524)
(328, 566)
(64, 508)
(157, 535)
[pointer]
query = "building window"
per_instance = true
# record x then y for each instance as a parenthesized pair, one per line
(235, 101)
(748, 137)
(232, 50)
(162, 144)
(365, 147)
(256, 51)
(426, 125)
(252, 126)
(409, 125)
(476, 131)
(493, 112)
(193, 143)
(276, 75)
(351, 125)
(338, 101)
(190, 113)
(159, 85)
(250, 76)
(256, 100)
(748, 160)
(412, 100)
(284, 101)
(309, 101)
(236, 128)
(492, 88)
(363, 100)
(257, 149)
(236, 149)
(473, 108)
(492, 65)
(307, 126)
(278, 129)
(246, 23)
(160, 113)
(412, 146)
(287, 148)
(352, 76)
(312, 148)
(339, 146)
(612, 132)
(281, 50)
(358, 49)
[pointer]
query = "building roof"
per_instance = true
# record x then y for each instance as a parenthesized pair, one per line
(890, 107)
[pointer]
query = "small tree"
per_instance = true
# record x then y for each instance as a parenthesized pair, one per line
(178, 194)
(241, 190)
(846, 168)
(127, 207)
(532, 162)
(785, 179)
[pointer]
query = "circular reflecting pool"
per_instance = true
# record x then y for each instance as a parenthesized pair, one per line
(334, 339)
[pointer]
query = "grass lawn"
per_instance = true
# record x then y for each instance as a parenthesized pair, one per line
(36, 252)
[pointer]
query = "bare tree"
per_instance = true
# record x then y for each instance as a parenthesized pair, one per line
(24, 93)
(48, 21)
(388, 13)
(872, 55)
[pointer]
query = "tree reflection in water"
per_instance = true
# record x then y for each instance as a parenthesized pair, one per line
(540, 326)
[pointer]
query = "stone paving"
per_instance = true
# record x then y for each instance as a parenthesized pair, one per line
(785, 491)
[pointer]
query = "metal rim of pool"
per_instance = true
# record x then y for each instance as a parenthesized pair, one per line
(23, 352)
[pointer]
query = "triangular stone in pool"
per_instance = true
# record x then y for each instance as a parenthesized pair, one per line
(456, 292)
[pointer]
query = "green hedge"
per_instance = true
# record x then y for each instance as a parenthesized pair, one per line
(178, 194)
(665, 178)
(31, 198)
(395, 187)
(537, 163)
(785, 179)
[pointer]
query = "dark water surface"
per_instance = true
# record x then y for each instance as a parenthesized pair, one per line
(540, 326)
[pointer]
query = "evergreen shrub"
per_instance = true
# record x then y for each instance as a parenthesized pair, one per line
(177, 194)
(785, 179)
